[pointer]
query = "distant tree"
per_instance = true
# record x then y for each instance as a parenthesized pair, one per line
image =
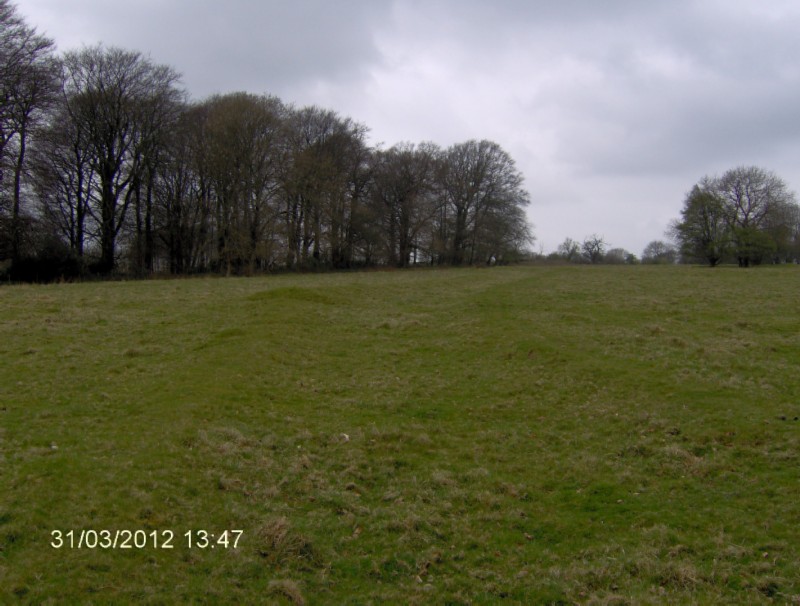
(750, 196)
(703, 231)
(616, 256)
(790, 234)
(659, 252)
(504, 236)
(593, 248)
(746, 213)
(569, 250)
(781, 226)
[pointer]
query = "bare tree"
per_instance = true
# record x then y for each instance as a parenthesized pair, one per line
(750, 195)
(404, 197)
(184, 205)
(110, 95)
(13, 33)
(27, 87)
(158, 114)
(349, 157)
(593, 248)
(324, 185)
(241, 155)
(482, 191)
(64, 180)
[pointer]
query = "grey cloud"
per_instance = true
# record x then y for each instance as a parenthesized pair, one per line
(238, 44)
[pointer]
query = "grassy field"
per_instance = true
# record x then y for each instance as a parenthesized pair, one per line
(599, 435)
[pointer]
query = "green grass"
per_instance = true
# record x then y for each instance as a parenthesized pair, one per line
(600, 435)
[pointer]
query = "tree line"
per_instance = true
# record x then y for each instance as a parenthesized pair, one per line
(108, 167)
(595, 250)
(747, 216)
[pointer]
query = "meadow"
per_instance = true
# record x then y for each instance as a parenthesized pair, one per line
(520, 435)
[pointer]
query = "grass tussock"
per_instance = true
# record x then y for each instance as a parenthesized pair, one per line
(287, 590)
(280, 545)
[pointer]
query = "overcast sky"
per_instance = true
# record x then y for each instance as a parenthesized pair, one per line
(612, 110)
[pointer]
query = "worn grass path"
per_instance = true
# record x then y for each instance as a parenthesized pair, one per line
(531, 435)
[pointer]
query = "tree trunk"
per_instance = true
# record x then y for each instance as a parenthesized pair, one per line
(149, 239)
(16, 216)
(459, 236)
(107, 232)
